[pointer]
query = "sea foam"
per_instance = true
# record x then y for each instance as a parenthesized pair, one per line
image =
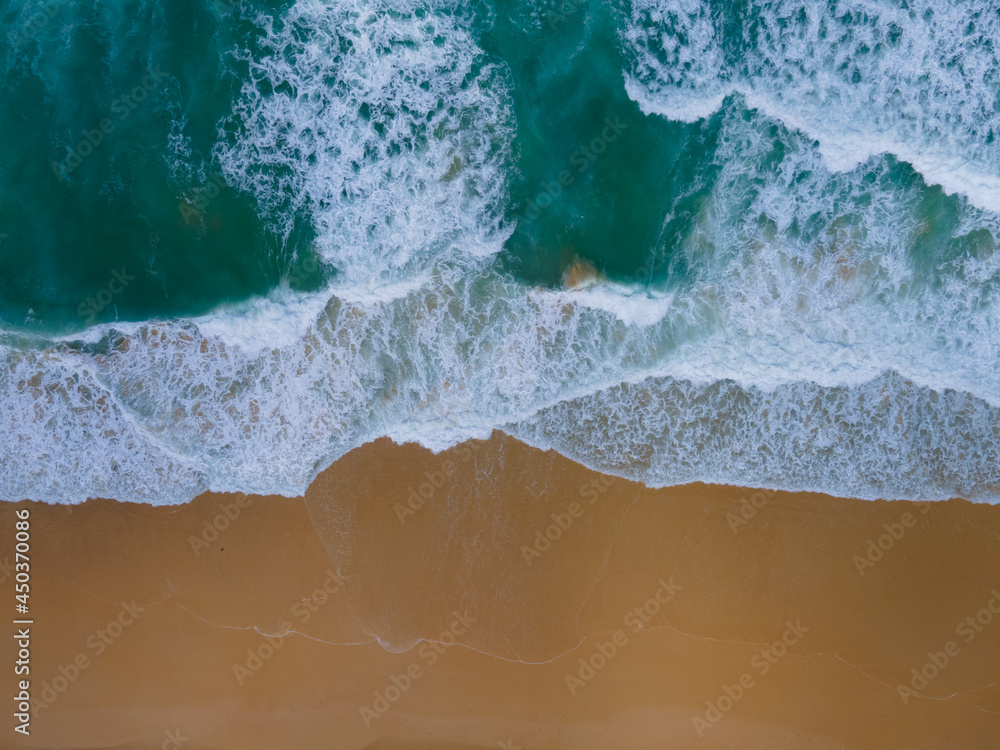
(829, 336)
(921, 82)
(381, 121)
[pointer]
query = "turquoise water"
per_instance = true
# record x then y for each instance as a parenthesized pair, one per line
(631, 183)
(79, 203)
(148, 197)
(677, 240)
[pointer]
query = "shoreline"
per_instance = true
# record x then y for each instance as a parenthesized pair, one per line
(500, 435)
(495, 593)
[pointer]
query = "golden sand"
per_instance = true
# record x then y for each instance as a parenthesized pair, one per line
(499, 596)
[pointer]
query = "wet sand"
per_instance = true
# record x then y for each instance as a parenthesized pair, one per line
(499, 596)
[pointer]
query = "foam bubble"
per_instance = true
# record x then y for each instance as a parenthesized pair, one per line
(632, 307)
(65, 437)
(384, 124)
(867, 78)
(166, 412)
(887, 438)
(837, 332)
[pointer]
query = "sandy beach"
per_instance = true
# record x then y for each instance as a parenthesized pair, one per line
(382, 375)
(494, 596)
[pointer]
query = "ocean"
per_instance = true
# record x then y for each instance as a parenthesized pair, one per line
(748, 243)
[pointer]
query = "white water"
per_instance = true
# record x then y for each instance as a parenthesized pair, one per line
(810, 349)
(861, 77)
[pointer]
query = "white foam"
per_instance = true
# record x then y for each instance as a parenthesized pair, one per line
(867, 79)
(373, 290)
(630, 306)
(886, 438)
(374, 120)
(449, 362)
(681, 107)
(273, 322)
(808, 350)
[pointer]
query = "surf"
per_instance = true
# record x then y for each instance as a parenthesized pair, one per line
(766, 316)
